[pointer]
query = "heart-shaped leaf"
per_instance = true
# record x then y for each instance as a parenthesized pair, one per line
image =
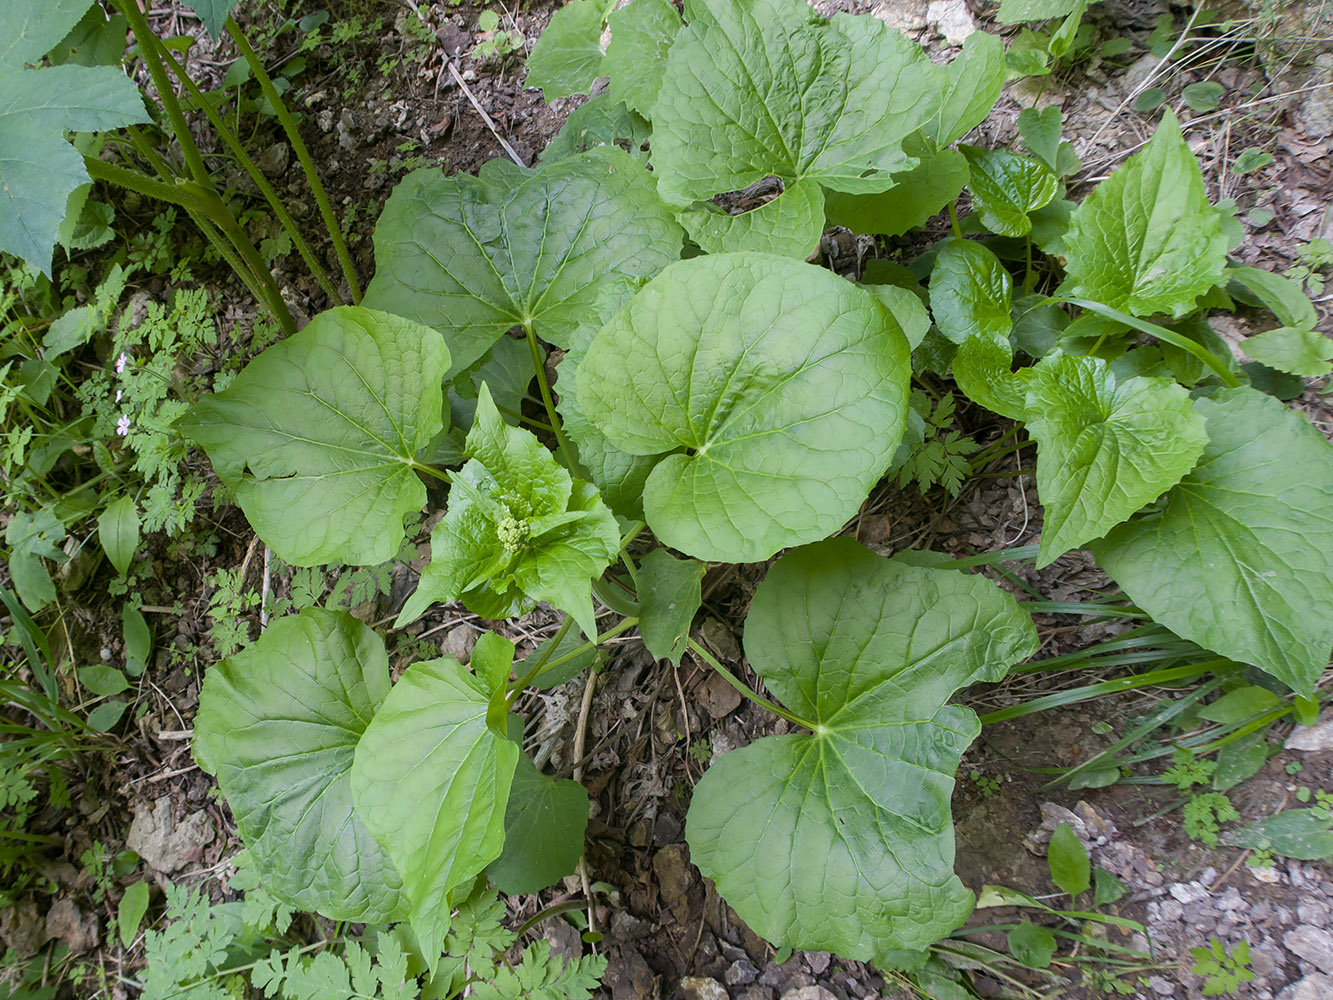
(760, 87)
(1104, 449)
(1235, 559)
(641, 34)
(775, 392)
(841, 839)
(568, 56)
(669, 597)
(278, 724)
(474, 256)
(970, 292)
(917, 194)
(329, 422)
(1006, 187)
(790, 225)
(973, 84)
(431, 780)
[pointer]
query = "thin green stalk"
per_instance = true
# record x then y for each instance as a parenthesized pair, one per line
(536, 669)
(302, 155)
(256, 175)
(758, 699)
(430, 470)
(624, 625)
(548, 400)
(1029, 275)
(953, 221)
(1018, 554)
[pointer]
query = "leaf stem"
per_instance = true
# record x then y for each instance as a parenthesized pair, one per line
(441, 474)
(953, 220)
(758, 699)
(624, 625)
(539, 367)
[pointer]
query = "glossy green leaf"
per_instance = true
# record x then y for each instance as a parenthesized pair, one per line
(33, 27)
(841, 839)
(972, 86)
(568, 56)
(774, 391)
(1040, 131)
(1032, 945)
(1068, 861)
(1006, 187)
(789, 225)
(1147, 240)
(1293, 833)
(917, 195)
(278, 725)
(1291, 349)
(518, 530)
(760, 87)
(668, 600)
(38, 167)
(599, 122)
(1104, 448)
(983, 369)
(1234, 559)
(130, 912)
(430, 780)
(118, 531)
(641, 34)
(328, 422)
(1284, 297)
(474, 256)
(970, 292)
(907, 309)
(545, 822)
(102, 681)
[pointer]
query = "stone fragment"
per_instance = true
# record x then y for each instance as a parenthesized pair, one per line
(741, 972)
(1188, 892)
(66, 922)
(166, 845)
(273, 160)
(1314, 944)
(818, 961)
(951, 19)
(21, 928)
(1315, 986)
(1162, 986)
(1313, 739)
(628, 976)
(905, 15)
(458, 643)
(672, 866)
(1315, 112)
(809, 993)
(698, 988)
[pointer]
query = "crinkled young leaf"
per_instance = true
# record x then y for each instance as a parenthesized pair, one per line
(1235, 559)
(38, 168)
(474, 256)
(760, 87)
(983, 368)
(1104, 449)
(774, 392)
(970, 292)
(668, 600)
(1290, 349)
(641, 33)
(318, 434)
(431, 780)
(598, 122)
(518, 530)
(790, 225)
(278, 724)
(568, 56)
(917, 195)
(841, 839)
(974, 81)
(1147, 240)
(33, 27)
(1006, 187)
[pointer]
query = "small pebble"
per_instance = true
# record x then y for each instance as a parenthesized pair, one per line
(106, 654)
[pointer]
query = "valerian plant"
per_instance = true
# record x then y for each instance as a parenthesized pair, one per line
(739, 402)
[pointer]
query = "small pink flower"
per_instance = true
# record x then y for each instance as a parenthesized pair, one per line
(123, 424)
(120, 363)
(118, 395)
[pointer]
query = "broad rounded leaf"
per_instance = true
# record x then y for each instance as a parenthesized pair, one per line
(278, 724)
(213, 13)
(970, 292)
(669, 597)
(841, 839)
(431, 780)
(318, 434)
(568, 56)
(33, 27)
(599, 122)
(474, 256)
(1006, 187)
(1104, 449)
(1147, 240)
(759, 87)
(1235, 559)
(789, 225)
(641, 34)
(775, 391)
(916, 195)
(973, 84)
(1288, 349)
(983, 369)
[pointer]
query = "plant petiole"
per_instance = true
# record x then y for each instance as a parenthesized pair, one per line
(734, 681)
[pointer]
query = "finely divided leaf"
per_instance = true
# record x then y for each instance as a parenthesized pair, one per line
(430, 780)
(760, 87)
(789, 225)
(1104, 449)
(38, 168)
(841, 839)
(641, 34)
(1234, 560)
(278, 724)
(1147, 240)
(1006, 187)
(774, 393)
(970, 292)
(327, 424)
(474, 256)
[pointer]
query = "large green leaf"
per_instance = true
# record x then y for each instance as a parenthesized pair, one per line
(1006, 187)
(917, 194)
(1104, 449)
(278, 724)
(599, 122)
(1147, 240)
(789, 225)
(841, 839)
(1235, 560)
(774, 391)
(518, 530)
(38, 168)
(983, 368)
(474, 256)
(1292, 349)
(318, 434)
(759, 87)
(641, 34)
(33, 27)
(431, 780)
(568, 56)
(970, 292)
(972, 86)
